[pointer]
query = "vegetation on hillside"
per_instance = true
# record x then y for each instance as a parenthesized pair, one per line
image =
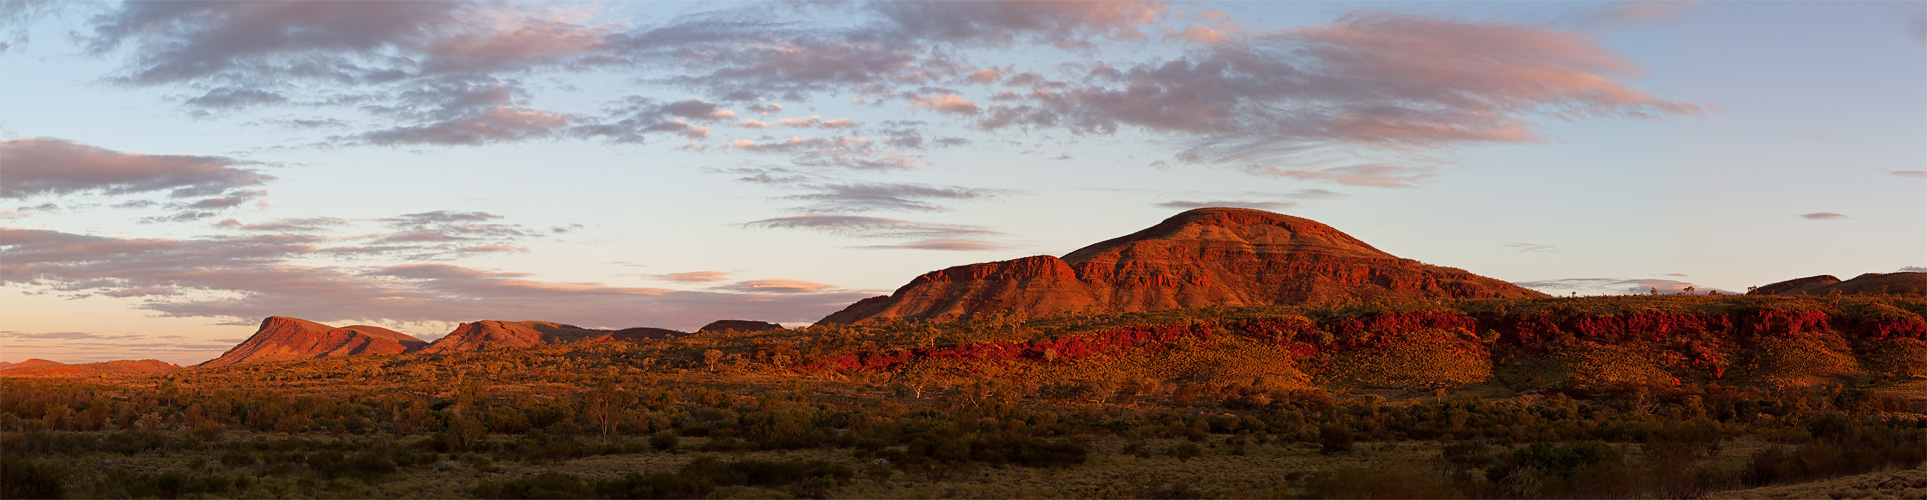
(1626, 396)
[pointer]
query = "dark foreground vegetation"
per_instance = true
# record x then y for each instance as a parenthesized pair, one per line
(1579, 398)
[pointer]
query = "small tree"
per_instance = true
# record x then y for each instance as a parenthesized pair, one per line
(711, 357)
(607, 406)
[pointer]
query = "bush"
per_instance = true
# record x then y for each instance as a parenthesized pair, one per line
(22, 478)
(544, 485)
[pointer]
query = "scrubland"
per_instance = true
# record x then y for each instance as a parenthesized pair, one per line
(1658, 396)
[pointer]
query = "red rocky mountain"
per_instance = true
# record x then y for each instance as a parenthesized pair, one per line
(281, 338)
(1202, 257)
(493, 334)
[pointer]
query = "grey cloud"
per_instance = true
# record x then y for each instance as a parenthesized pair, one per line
(866, 196)
(229, 97)
(1536, 248)
(55, 166)
(1261, 205)
(1368, 174)
(870, 227)
(953, 244)
(246, 278)
(1823, 216)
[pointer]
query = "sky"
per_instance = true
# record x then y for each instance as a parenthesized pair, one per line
(173, 172)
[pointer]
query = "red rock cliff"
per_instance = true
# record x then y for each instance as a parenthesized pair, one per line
(1203, 257)
(492, 334)
(281, 338)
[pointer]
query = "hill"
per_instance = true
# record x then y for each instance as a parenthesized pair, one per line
(1223, 257)
(482, 335)
(282, 338)
(1866, 284)
(740, 325)
(44, 368)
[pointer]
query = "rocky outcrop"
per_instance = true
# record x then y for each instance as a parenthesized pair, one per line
(1203, 257)
(482, 335)
(29, 364)
(740, 325)
(1913, 284)
(281, 338)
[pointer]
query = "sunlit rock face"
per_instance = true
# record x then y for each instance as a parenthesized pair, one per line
(282, 338)
(1204, 257)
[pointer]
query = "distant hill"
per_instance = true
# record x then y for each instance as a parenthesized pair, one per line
(1865, 284)
(739, 325)
(637, 334)
(44, 368)
(1205, 257)
(482, 335)
(282, 338)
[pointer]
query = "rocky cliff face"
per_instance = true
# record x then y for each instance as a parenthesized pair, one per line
(1865, 284)
(282, 338)
(493, 334)
(1203, 257)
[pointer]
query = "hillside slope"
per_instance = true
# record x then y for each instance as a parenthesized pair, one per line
(282, 338)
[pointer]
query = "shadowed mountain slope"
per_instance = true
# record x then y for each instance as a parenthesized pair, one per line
(1865, 284)
(282, 338)
(1204, 257)
(44, 368)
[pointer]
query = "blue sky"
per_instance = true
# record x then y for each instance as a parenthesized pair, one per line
(173, 172)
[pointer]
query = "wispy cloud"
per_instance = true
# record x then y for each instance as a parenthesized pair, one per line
(1615, 286)
(1823, 216)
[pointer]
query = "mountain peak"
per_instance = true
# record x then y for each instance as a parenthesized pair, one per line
(283, 338)
(1202, 257)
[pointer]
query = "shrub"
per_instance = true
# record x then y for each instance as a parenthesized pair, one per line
(22, 478)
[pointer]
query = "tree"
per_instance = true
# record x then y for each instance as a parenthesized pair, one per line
(710, 357)
(607, 406)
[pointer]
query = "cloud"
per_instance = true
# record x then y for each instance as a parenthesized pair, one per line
(1913, 269)
(1617, 14)
(817, 122)
(489, 125)
(245, 278)
(1823, 216)
(1615, 286)
(1534, 248)
(1917, 174)
(296, 225)
(870, 196)
(1368, 174)
(955, 244)
(1261, 205)
(37, 166)
(1069, 24)
(870, 227)
(694, 276)
(1372, 80)
(945, 104)
(855, 153)
(775, 286)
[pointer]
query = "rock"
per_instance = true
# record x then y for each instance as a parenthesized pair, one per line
(1202, 257)
(281, 338)
(740, 325)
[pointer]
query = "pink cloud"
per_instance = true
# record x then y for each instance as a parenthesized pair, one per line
(776, 286)
(952, 244)
(38, 165)
(1065, 24)
(694, 276)
(945, 104)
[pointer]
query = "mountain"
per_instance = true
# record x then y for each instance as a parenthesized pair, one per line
(30, 363)
(1202, 257)
(5, 365)
(1796, 286)
(282, 338)
(740, 325)
(44, 368)
(1865, 284)
(493, 334)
